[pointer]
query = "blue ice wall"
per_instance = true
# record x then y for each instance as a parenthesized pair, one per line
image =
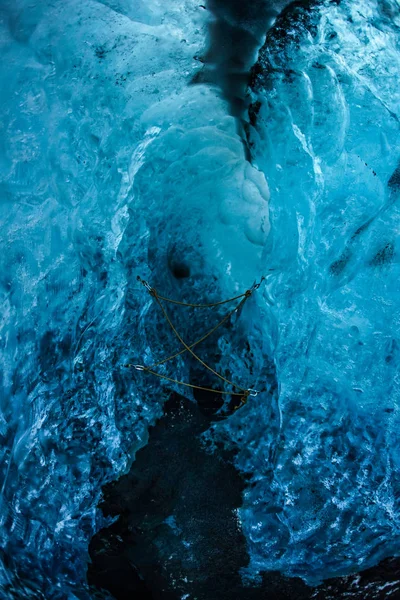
(112, 165)
(326, 108)
(75, 80)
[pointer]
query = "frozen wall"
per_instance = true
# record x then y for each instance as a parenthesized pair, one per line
(326, 108)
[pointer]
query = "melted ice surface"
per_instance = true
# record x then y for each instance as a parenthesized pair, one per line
(115, 165)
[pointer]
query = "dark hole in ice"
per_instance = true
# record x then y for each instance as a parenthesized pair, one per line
(180, 270)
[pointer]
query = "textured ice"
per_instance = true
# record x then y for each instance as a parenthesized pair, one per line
(326, 105)
(116, 165)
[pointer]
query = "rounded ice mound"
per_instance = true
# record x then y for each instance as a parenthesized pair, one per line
(199, 191)
(202, 223)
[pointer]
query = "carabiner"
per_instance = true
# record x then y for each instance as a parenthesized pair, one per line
(144, 282)
(147, 286)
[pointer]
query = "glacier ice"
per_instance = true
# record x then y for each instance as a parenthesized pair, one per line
(326, 108)
(116, 164)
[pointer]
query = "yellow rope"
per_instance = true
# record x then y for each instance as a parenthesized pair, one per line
(201, 305)
(150, 289)
(191, 385)
(161, 362)
(243, 399)
(190, 350)
(245, 393)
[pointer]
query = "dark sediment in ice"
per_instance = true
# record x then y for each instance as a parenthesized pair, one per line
(298, 17)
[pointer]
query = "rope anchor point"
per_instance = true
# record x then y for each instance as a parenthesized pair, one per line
(145, 283)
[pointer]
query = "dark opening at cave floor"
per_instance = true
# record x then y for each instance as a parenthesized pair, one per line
(178, 535)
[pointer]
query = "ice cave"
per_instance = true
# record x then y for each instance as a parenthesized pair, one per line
(241, 150)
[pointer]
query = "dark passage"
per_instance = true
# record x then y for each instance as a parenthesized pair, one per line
(236, 33)
(178, 532)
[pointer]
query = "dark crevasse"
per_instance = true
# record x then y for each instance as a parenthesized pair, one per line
(178, 535)
(178, 524)
(235, 34)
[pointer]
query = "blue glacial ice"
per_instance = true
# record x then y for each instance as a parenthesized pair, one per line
(326, 135)
(113, 164)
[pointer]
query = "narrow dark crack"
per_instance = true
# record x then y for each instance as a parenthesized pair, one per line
(236, 33)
